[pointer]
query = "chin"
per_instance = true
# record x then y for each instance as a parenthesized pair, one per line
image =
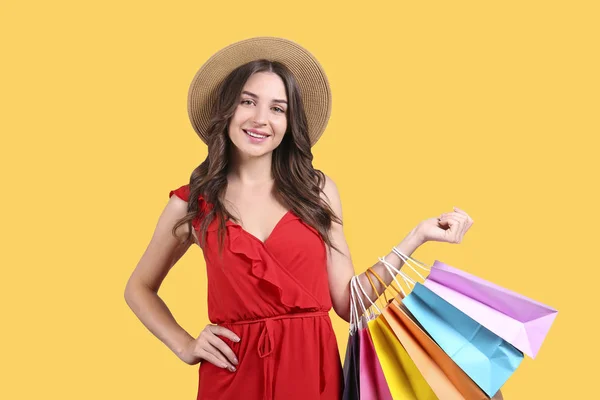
(257, 152)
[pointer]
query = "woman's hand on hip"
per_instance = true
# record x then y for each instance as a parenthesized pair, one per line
(210, 347)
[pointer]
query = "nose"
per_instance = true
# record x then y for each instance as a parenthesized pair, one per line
(260, 115)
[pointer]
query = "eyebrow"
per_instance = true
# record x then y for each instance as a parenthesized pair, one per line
(256, 97)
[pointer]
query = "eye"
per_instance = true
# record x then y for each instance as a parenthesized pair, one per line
(246, 100)
(279, 108)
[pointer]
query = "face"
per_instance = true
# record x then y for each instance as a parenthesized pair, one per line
(260, 119)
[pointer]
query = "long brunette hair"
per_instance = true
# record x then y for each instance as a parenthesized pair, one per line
(297, 183)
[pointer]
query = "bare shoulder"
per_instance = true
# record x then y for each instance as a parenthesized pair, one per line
(330, 188)
(175, 209)
(331, 195)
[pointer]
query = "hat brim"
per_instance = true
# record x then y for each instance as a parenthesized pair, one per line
(310, 76)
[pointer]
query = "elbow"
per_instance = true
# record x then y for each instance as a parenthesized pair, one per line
(129, 294)
(136, 291)
(343, 313)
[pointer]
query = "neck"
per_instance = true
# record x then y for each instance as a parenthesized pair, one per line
(249, 170)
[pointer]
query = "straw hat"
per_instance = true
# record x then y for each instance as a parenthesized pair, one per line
(311, 78)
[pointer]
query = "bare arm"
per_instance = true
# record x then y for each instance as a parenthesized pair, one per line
(141, 291)
(340, 267)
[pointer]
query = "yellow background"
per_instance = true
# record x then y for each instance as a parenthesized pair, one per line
(488, 106)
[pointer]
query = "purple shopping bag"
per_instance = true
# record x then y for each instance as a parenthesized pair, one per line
(519, 320)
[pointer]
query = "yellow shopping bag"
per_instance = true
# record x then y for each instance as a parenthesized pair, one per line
(401, 374)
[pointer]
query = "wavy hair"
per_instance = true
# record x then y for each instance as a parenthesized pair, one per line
(297, 183)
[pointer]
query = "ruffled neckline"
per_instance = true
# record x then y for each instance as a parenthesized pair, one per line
(264, 266)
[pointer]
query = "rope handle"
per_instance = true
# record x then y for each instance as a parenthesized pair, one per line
(406, 260)
(393, 271)
(357, 281)
(373, 284)
(354, 318)
(398, 292)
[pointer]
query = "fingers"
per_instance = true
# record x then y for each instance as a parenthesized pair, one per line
(214, 358)
(458, 221)
(458, 210)
(214, 350)
(222, 347)
(463, 213)
(463, 225)
(213, 354)
(468, 221)
(457, 215)
(222, 331)
(455, 231)
(457, 224)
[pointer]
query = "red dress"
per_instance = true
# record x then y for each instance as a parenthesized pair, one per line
(275, 296)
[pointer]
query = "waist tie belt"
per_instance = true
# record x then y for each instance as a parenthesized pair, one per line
(265, 343)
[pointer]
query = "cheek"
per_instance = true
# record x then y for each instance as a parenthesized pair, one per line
(236, 122)
(236, 118)
(240, 115)
(282, 126)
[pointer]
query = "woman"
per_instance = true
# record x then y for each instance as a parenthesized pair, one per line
(270, 227)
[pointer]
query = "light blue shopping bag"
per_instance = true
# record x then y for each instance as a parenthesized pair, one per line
(488, 359)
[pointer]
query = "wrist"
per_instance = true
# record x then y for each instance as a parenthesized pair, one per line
(416, 237)
(181, 345)
(411, 242)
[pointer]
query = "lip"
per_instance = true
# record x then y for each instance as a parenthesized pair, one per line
(257, 132)
(253, 139)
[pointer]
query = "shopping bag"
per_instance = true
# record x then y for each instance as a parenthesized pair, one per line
(351, 368)
(442, 374)
(372, 381)
(519, 320)
(488, 359)
(403, 378)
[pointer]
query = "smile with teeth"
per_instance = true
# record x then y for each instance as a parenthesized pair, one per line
(255, 135)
